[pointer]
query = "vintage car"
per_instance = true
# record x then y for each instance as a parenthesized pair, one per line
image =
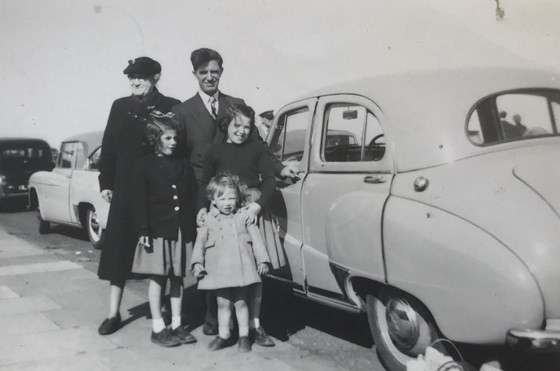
(69, 194)
(19, 158)
(441, 218)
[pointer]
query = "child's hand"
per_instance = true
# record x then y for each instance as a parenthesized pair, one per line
(198, 270)
(201, 217)
(253, 210)
(145, 242)
(262, 269)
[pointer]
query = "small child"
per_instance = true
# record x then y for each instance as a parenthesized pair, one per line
(224, 258)
(164, 218)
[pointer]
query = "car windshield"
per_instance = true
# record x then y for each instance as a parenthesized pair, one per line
(24, 151)
(513, 116)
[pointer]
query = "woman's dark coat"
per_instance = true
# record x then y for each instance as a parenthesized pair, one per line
(121, 147)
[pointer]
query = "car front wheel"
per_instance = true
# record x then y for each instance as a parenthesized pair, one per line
(93, 229)
(401, 328)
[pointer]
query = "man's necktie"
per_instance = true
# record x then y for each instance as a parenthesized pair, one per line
(213, 102)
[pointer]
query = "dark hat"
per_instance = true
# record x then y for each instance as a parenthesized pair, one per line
(269, 115)
(142, 66)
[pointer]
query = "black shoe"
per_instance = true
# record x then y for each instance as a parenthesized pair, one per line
(244, 344)
(208, 329)
(261, 338)
(183, 335)
(165, 338)
(219, 343)
(110, 325)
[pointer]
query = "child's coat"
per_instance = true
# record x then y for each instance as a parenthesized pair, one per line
(228, 248)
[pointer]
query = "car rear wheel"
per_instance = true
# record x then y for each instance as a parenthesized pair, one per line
(44, 226)
(93, 229)
(401, 328)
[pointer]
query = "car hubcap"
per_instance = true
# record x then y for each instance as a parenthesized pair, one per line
(402, 323)
(94, 225)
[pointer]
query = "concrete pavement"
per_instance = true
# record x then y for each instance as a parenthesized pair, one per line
(50, 309)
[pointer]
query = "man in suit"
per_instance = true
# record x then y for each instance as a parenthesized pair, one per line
(199, 116)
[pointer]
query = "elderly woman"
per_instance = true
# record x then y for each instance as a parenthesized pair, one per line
(121, 147)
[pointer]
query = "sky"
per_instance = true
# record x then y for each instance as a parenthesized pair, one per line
(61, 61)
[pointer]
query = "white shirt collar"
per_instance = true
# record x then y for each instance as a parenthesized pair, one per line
(206, 98)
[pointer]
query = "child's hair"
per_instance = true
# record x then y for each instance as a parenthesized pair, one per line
(222, 181)
(238, 109)
(156, 123)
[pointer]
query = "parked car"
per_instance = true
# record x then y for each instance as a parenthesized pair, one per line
(69, 194)
(19, 158)
(436, 220)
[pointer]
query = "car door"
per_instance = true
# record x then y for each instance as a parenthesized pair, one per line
(54, 199)
(288, 140)
(349, 179)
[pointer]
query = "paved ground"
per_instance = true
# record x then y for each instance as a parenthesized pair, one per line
(51, 303)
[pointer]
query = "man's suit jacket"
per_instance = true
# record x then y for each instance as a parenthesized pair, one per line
(199, 129)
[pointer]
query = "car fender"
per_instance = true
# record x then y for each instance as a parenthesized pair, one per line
(473, 284)
(85, 189)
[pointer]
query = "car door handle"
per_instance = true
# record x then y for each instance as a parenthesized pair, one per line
(375, 179)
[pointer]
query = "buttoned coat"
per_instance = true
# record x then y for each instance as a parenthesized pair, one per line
(227, 248)
(164, 194)
(200, 130)
(120, 148)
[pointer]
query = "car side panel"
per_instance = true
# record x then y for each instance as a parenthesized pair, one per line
(461, 273)
(84, 188)
(52, 194)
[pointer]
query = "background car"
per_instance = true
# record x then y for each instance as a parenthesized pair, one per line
(19, 158)
(69, 194)
(439, 218)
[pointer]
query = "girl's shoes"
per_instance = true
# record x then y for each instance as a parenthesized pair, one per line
(244, 344)
(165, 338)
(219, 343)
(184, 336)
(110, 325)
(261, 338)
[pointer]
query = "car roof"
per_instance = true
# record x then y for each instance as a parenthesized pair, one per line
(22, 140)
(426, 110)
(92, 139)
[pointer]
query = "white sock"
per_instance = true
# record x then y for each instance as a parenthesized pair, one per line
(175, 322)
(158, 325)
(254, 323)
(223, 332)
(243, 331)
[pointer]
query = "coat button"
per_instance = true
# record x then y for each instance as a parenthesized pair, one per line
(175, 197)
(174, 186)
(176, 208)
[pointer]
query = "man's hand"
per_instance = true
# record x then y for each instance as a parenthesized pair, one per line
(262, 269)
(253, 210)
(201, 217)
(144, 241)
(107, 195)
(198, 270)
(289, 171)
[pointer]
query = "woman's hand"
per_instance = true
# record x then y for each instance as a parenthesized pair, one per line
(253, 210)
(262, 269)
(201, 217)
(107, 195)
(198, 270)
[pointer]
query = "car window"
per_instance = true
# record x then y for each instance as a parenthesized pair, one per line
(66, 155)
(94, 159)
(514, 116)
(24, 151)
(351, 134)
(288, 138)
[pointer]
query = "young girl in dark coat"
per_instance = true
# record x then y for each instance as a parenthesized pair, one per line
(164, 218)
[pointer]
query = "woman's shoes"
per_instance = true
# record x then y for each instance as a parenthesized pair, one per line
(184, 336)
(244, 344)
(165, 338)
(110, 325)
